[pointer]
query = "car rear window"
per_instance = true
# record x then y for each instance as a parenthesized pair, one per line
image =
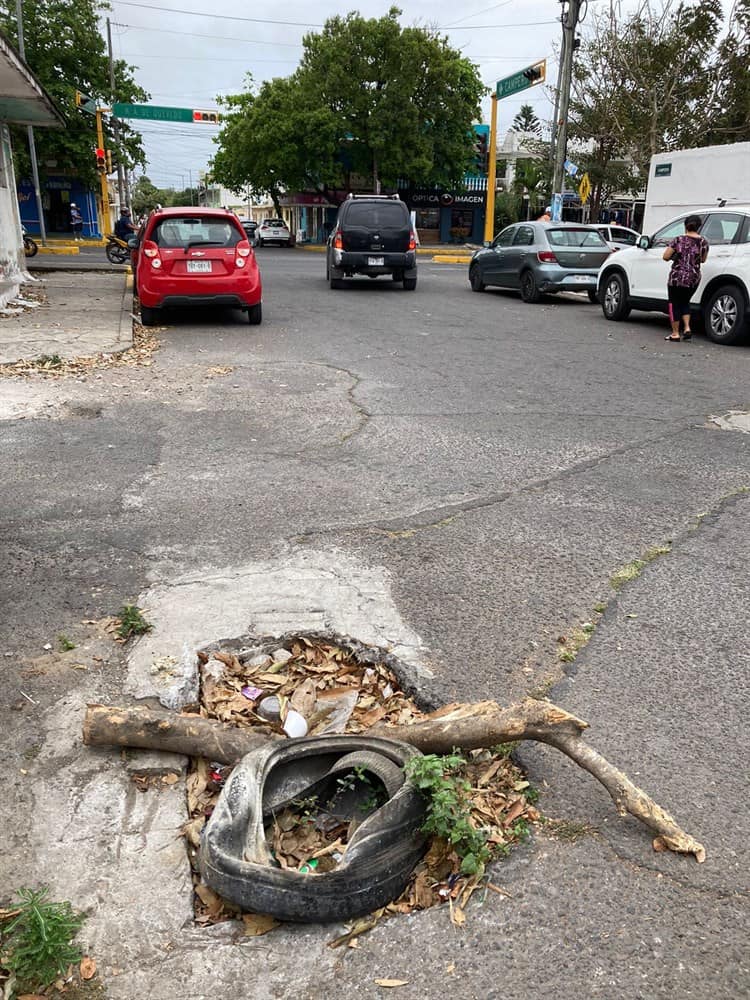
(178, 232)
(276, 223)
(383, 215)
(574, 238)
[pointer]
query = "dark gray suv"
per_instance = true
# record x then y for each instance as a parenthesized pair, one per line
(373, 235)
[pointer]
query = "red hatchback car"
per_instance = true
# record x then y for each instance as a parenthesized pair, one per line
(195, 257)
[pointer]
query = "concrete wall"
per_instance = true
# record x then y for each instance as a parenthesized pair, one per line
(12, 260)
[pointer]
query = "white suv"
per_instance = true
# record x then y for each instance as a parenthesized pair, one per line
(636, 278)
(273, 231)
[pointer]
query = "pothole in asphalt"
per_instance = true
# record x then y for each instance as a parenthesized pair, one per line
(734, 420)
(314, 683)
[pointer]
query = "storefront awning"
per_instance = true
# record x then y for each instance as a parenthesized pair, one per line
(23, 100)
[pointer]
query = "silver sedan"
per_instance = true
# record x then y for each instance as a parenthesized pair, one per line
(540, 257)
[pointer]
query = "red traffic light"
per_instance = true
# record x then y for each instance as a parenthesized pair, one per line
(99, 153)
(210, 117)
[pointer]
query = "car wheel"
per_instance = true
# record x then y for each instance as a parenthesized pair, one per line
(593, 297)
(255, 314)
(475, 280)
(148, 315)
(410, 284)
(529, 290)
(614, 298)
(334, 278)
(724, 315)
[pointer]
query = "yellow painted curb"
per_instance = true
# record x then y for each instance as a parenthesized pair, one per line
(60, 249)
(315, 247)
(129, 280)
(450, 259)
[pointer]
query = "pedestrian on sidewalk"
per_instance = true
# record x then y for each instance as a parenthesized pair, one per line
(76, 222)
(687, 253)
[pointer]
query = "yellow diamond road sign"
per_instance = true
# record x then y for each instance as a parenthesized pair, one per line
(584, 189)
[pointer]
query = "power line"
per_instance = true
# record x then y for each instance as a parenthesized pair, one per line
(219, 17)
(200, 34)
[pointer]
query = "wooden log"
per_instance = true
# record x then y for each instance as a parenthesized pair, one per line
(467, 727)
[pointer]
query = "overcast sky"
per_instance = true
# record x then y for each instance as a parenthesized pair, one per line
(185, 59)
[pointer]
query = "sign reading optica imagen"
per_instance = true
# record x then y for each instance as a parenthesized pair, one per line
(663, 170)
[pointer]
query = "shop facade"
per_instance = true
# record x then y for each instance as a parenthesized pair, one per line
(448, 216)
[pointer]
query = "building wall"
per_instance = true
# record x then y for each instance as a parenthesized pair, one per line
(12, 261)
(57, 194)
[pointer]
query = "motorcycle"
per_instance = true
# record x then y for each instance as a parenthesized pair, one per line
(117, 250)
(30, 248)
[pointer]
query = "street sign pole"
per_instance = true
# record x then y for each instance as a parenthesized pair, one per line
(489, 216)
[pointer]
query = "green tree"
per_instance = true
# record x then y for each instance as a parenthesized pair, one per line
(144, 195)
(640, 85)
(527, 121)
(66, 51)
(371, 103)
(729, 117)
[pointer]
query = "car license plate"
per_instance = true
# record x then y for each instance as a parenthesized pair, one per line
(198, 266)
(582, 277)
(375, 261)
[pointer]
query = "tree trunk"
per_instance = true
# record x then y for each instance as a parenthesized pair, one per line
(469, 727)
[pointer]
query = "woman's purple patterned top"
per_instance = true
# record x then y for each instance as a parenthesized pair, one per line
(686, 262)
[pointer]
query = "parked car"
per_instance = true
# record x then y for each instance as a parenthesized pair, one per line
(250, 226)
(637, 278)
(273, 231)
(373, 235)
(195, 257)
(617, 236)
(540, 257)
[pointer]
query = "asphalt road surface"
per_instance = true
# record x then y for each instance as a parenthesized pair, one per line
(498, 462)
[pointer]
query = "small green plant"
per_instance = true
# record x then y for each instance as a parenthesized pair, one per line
(600, 608)
(37, 944)
(634, 569)
(532, 794)
(566, 655)
(504, 749)
(66, 644)
(132, 622)
(49, 360)
(448, 808)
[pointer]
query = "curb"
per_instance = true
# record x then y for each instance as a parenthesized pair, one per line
(450, 259)
(125, 329)
(61, 249)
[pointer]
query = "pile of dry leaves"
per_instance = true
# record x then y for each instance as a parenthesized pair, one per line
(335, 693)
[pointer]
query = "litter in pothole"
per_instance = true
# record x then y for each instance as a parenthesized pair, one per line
(472, 807)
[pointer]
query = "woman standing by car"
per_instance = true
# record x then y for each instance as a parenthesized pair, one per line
(687, 253)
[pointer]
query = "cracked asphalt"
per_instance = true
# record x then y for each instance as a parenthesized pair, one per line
(497, 463)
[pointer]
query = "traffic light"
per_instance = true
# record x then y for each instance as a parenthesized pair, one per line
(210, 117)
(480, 151)
(108, 154)
(536, 73)
(101, 160)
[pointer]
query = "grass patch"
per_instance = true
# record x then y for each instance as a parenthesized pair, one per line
(132, 622)
(66, 644)
(569, 831)
(632, 570)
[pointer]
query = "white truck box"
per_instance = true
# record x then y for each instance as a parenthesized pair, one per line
(691, 179)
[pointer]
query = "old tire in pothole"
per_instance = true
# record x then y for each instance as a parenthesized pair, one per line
(236, 860)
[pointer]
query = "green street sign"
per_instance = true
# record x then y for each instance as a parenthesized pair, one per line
(153, 112)
(528, 77)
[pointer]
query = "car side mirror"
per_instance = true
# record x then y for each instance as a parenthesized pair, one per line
(133, 242)
(644, 242)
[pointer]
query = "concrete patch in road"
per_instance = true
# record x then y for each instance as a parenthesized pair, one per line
(734, 420)
(301, 590)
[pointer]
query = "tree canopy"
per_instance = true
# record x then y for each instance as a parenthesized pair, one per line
(660, 77)
(371, 103)
(66, 52)
(527, 121)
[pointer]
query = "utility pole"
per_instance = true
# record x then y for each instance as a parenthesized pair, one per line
(30, 129)
(120, 175)
(569, 20)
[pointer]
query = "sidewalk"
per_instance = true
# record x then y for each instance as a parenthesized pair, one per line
(84, 314)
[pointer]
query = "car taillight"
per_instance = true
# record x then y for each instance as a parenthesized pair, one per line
(243, 248)
(150, 249)
(412, 240)
(546, 257)
(338, 240)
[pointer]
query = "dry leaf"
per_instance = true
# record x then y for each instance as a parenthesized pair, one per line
(390, 982)
(303, 698)
(451, 967)
(258, 923)
(170, 779)
(88, 967)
